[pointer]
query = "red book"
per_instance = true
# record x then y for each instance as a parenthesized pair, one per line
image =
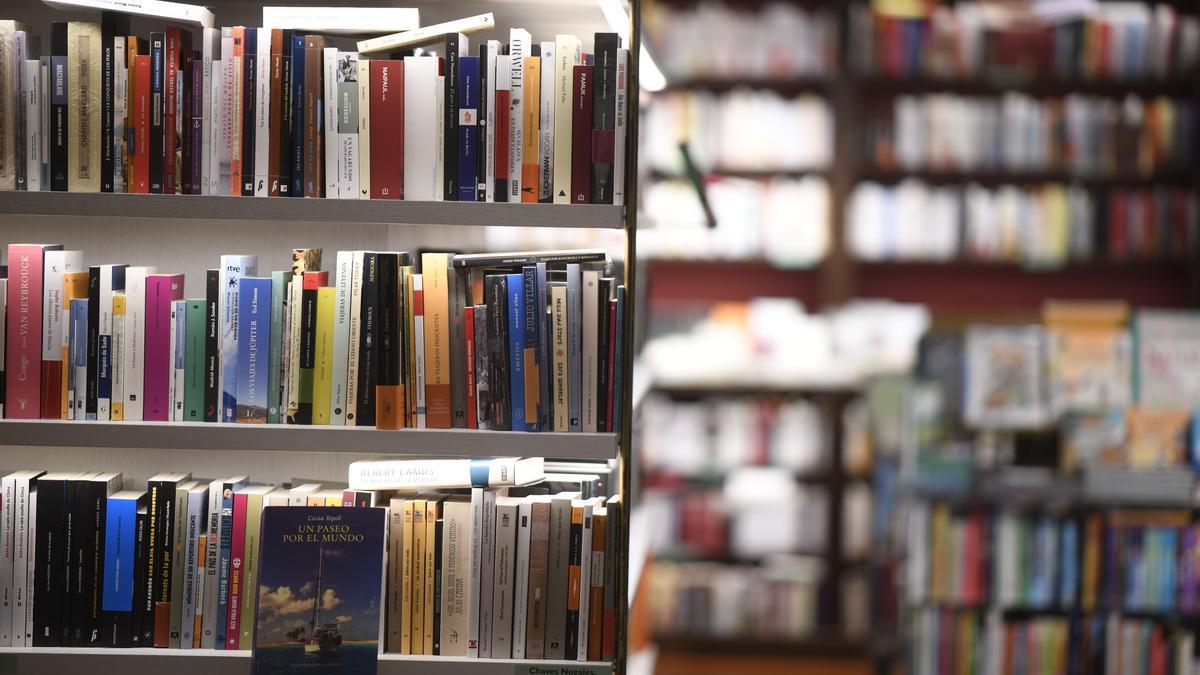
(387, 129)
(1118, 244)
(23, 331)
(233, 621)
(141, 122)
(469, 328)
(612, 361)
(502, 118)
(170, 108)
(581, 135)
(161, 291)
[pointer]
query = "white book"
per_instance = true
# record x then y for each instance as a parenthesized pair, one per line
(116, 367)
(521, 579)
(585, 574)
(175, 358)
(419, 354)
(210, 53)
(295, 293)
(456, 569)
(8, 514)
(32, 97)
(419, 36)
(502, 81)
(175, 12)
(333, 163)
(233, 267)
(348, 20)
(428, 474)
(212, 551)
(590, 348)
(29, 541)
(120, 111)
(489, 122)
(134, 342)
(353, 333)
(20, 616)
(503, 584)
(225, 183)
(439, 167)
(192, 559)
(55, 320)
(487, 562)
(262, 116)
(347, 124)
(546, 125)
(421, 129)
(620, 127)
(473, 581)
(566, 56)
(519, 49)
(104, 403)
(341, 337)
(298, 496)
(364, 129)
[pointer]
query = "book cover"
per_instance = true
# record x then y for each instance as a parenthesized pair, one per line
(83, 106)
(161, 291)
(567, 55)
(581, 135)
(233, 268)
(1004, 384)
(254, 339)
(531, 181)
(468, 127)
(323, 353)
(1167, 344)
(1088, 368)
(329, 561)
(388, 84)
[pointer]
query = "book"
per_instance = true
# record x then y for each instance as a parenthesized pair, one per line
(603, 125)
(519, 50)
(427, 34)
(279, 308)
(419, 124)
(208, 99)
(194, 371)
(112, 280)
(531, 182)
(314, 161)
(1004, 383)
(562, 373)
(590, 349)
(501, 147)
(522, 258)
(347, 124)
(574, 347)
(56, 266)
(546, 102)
(389, 394)
(438, 395)
(558, 572)
(581, 134)
(388, 86)
(344, 272)
(457, 46)
(515, 351)
(1165, 367)
(329, 123)
(567, 55)
(504, 585)
(348, 20)
(247, 118)
(192, 560)
(59, 131)
(364, 128)
(366, 377)
(489, 53)
(177, 12)
(254, 339)
(575, 562)
(83, 105)
(24, 329)
(112, 25)
(233, 268)
(596, 586)
(212, 347)
(77, 378)
(163, 490)
(521, 580)
(220, 555)
(312, 281)
(457, 581)
(536, 597)
(322, 407)
(297, 97)
(162, 290)
(50, 562)
(262, 112)
(157, 113)
(444, 473)
(467, 140)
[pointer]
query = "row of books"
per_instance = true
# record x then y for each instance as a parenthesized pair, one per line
(719, 41)
(1042, 224)
(1092, 41)
(193, 564)
(1079, 135)
(949, 642)
(783, 220)
(524, 341)
(778, 601)
(273, 112)
(721, 136)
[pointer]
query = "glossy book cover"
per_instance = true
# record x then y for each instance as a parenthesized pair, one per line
(320, 589)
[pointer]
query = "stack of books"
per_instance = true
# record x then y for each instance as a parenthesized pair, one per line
(271, 112)
(526, 341)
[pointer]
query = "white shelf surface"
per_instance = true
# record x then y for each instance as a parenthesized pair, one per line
(303, 438)
(72, 661)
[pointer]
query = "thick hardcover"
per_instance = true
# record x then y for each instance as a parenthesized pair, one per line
(83, 106)
(581, 135)
(24, 330)
(387, 138)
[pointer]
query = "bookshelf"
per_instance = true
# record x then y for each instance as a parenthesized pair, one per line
(158, 229)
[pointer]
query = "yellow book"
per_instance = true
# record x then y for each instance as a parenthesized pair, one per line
(323, 355)
(83, 106)
(435, 278)
(406, 579)
(117, 413)
(75, 286)
(530, 161)
(254, 509)
(418, 577)
(432, 509)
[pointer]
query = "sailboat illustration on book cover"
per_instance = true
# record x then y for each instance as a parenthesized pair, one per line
(319, 591)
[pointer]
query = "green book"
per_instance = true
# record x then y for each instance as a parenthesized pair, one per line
(193, 364)
(279, 293)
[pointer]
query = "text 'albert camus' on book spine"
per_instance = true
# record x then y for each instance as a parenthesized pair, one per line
(512, 571)
(279, 111)
(506, 341)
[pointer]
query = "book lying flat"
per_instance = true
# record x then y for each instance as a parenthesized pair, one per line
(397, 474)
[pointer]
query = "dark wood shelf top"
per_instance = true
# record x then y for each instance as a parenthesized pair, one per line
(992, 178)
(748, 174)
(784, 85)
(829, 644)
(1041, 86)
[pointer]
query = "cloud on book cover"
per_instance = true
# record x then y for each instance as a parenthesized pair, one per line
(281, 601)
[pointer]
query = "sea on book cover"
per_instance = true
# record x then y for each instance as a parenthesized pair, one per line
(319, 591)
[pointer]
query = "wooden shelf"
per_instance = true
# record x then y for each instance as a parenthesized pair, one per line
(671, 281)
(993, 178)
(828, 646)
(71, 661)
(300, 438)
(339, 211)
(718, 172)
(782, 85)
(1043, 86)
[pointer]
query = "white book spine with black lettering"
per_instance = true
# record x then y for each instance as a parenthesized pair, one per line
(210, 52)
(262, 116)
(341, 337)
(546, 125)
(487, 561)
(456, 569)
(473, 581)
(503, 573)
(519, 49)
(8, 490)
(492, 54)
(347, 124)
(212, 552)
(620, 127)
(32, 97)
(28, 574)
(590, 347)
(57, 323)
(421, 129)
(104, 403)
(353, 332)
(120, 112)
(521, 579)
(135, 339)
(585, 575)
(566, 57)
(333, 154)
(364, 129)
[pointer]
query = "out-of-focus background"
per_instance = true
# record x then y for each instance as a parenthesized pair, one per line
(921, 364)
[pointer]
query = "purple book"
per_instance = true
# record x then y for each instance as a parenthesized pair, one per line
(196, 138)
(161, 291)
(1188, 568)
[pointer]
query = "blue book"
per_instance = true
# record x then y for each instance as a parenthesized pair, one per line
(618, 354)
(516, 348)
(574, 347)
(77, 378)
(1068, 554)
(468, 129)
(120, 534)
(254, 356)
(224, 552)
(319, 553)
(532, 349)
(543, 329)
(297, 47)
(1170, 541)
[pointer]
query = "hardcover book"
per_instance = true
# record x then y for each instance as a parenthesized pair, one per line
(329, 562)
(402, 474)
(1004, 383)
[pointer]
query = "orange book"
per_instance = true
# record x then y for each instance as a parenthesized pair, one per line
(389, 406)
(235, 92)
(141, 162)
(435, 271)
(595, 616)
(530, 161)
(574, 580)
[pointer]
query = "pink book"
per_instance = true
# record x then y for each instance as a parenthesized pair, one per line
(161, 291)
(233, 622)
(23, 338)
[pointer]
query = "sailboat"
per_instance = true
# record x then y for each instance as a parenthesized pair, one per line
(323, 638)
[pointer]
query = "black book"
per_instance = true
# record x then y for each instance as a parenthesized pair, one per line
(496, 297)
(368, 340)
(457, 288)
(285, 117)
(456, 43)
(112, 24)
(603, 331)
(249, 95)
(157, 75)
(162, 490)
(308, 353)
(437, 582)
(92, 503)
(80, 532)
(604, 115)
(50, 560)
(522, 258)
(388, 320)
(212, 367)
(484, 104)
(140, 634)
(93, 342)
(58, 107)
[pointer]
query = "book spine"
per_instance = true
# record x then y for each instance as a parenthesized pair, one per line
(363, 142)
(161, 292)
(518, 51)
(387, 142)
(323, 352)
(503, 582)
(603, 123)
(468, 129)
(249, 580)
(79, 335)
(456, 292)
(589, 349)
(438, 394)
(110, 27)
(193, 165)
(539, 560)
(469, 351)
(23, 331)
(50, 346)
(157, 112)
(368, 340)
(501, 103)
(237, 549)
(83, 106)
(225, 568)
(417, 565)
(254, 338)
(529, 349)
(574, 583)
(581, 135)
(93, 341)
(279, 283)
(574, 348)
(620, 127)
(389, 396)
(456, 46)
(516, 349)
(142, 114)
(347, 125)
(173, 55)
(298, 110)
(247, 105)
(280, 167)
(603, 354)
(521, 577)
(545, 404)
(262, 114)
(618, 354)
(314, 182)
(210, 52)
(8, 592)
(484, 136)
(496, 294)
(566, 57)
(531, 132)
(546, 126)
(211, 553)
(432, 578)
(49, 563)
(353, 332)
(329, 123)
(233, 268)
(120, 532)
(562, 374)
(59, 132)
(163, 539)
(24, 541)
(418, 360)
(308, 343)
(482, 369)
(112, 280)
